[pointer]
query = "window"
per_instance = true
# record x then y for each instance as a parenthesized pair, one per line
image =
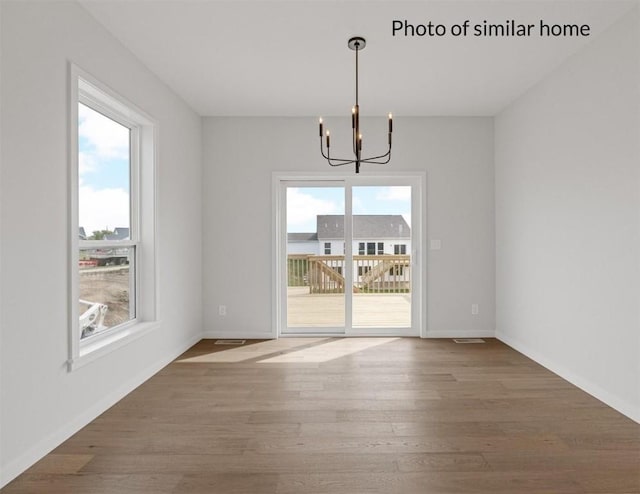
(380, 248)
(361, 248)
(112, 159)
(400, 249)
(371, 248)
(107, 253)
(327, 248)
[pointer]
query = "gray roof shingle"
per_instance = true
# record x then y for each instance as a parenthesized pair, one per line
(365, 226)
(302, 237)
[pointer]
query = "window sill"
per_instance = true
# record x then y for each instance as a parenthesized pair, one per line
(93, 350)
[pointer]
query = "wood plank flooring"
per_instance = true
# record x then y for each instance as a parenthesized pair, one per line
(366, 415)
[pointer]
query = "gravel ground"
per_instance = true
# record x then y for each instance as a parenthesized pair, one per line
(110, 286)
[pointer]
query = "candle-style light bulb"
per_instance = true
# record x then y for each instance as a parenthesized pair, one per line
(320, 125)
(360, 142)
(390, 123)
(353, 117)
(328, 140)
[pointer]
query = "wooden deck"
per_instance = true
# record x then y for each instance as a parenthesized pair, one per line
(370, 310)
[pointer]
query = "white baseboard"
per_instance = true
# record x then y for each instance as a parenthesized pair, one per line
(585, 385)
(430, 334)
(446, 333)
(42, 448)
(234, 335)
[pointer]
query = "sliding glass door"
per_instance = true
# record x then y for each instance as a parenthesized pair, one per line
(347, 256)
(315, 263)
(381, 257)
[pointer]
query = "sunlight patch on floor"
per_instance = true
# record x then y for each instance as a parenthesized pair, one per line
(331, 350)
(253, 351)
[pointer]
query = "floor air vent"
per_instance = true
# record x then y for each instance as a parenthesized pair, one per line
(230, 342)
(468, 340)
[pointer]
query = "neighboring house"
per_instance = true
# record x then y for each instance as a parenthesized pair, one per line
(373, 235)
(303, 243)
(119, 233)
(104, 256)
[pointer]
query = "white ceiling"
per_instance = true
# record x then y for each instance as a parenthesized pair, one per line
(290, 58)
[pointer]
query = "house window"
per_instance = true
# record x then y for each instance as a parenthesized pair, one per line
(113, 284)
(400, 249)
(361, 248)
(371, 248)
(397, 270)
(380, 248)
(327, 248)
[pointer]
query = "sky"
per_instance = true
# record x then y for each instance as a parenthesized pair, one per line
(103, 159)
(305, 203)
(103, 162)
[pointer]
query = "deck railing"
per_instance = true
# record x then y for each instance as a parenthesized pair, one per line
(383, 273)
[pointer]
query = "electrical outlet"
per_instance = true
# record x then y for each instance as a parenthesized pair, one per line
(222, 310)
(475, 309)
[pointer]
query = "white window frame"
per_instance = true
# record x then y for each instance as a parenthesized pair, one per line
(85, 89)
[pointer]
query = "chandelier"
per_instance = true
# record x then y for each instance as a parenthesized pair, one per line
(356, 43)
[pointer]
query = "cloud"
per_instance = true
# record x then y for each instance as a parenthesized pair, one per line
(395, 193)
(358, 206)
(102, 141)
(105, 137)
(86, 164)
(302, 210)
(104, 208)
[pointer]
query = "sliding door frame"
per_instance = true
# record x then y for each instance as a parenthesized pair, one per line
(417, 180)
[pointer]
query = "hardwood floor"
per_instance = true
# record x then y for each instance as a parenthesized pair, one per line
(366, 415)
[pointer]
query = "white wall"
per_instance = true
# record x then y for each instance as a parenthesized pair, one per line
(42, 403)
(567, 220)
(240, 155)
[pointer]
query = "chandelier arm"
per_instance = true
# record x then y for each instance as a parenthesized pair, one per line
(340, 164)
(376, 162)
(332, 162)
(388, 153)
(373, 162)
(330, 159)
(374, 159)
(322, 150)
(344, 162)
